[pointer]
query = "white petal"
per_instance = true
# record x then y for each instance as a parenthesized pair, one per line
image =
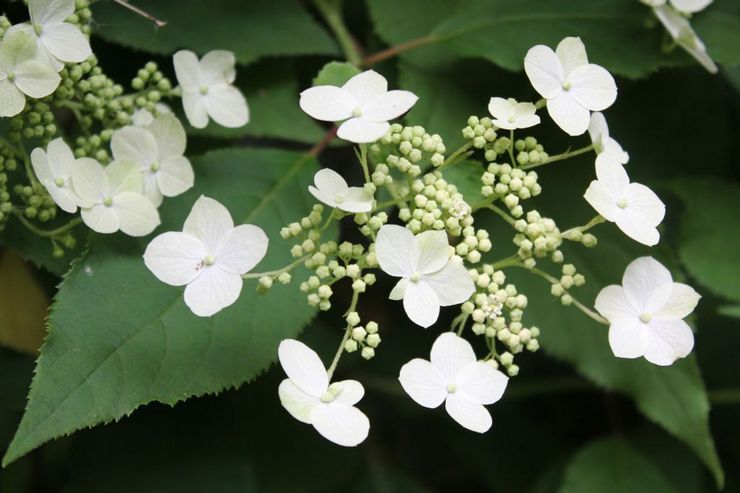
(599, 198)
(209, 221)
(12, 100)
(695, 47)
(217, 67)
(362, 130)
(572, 54)
(321, 197)
(500, 108)
(450, 354)
(241, 249)
(366, 86)
(389, 105)
(303, 366)
(90, 182)
(434, 251)
(421, 304)
(568, 113)
(357, 199)
(422, 383)
(614, 179)
(135, 144)
(100, 219)
(124, 176)
(637, 227)
(48, 11)
(397, 251)
(330, 183)
(348, 392)
(644, 202)
(151, 188)
(628, 338)
(227, 106)
(598, 129)
(399, 290)
(41, 165)
(467, 413)
(36, 79)
(593, 87)
(169, 134)
(481, 383)
(299, 404)
(175, 258)
(142, 117)
(641, 277)
(137, 216)
(342, 424)
(681, 302)
(544, 70)
(195, 109)
(452, 284)
(175, 176)
(187, 71)
(66, 42)
(327, 103)
(63, 196)
(669, 340)
(212, 291)
(690, 6)
(613, 305)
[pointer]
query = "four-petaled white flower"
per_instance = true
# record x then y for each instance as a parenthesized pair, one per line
(111, 198)
(210, 256)
(510, 114)
(430, 278)
(57, 41)
(208, 91)
(308, 397)
(572, 86)
(455, 377)
(607, 149)
(646, 313)
(333, 190)
(53, 168)
(22, 74)
(633, 207)
(364, 102)
(158, 150)
(683, 34)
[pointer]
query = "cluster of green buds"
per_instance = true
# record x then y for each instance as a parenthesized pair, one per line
(570, 278)
(363, 338)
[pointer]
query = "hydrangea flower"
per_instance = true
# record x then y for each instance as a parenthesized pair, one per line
(429, 277)
(208, 91)
(143, 117)
(572, 86)
(510, 114)
(308, 397)
(22, 74)
(209, 256)
(455, 377)
(363, 103)
(111, 198)
(53, 167)
(633, 207)
(57, 41)
(158, 150)
(333, 190)
(607, 149)
(684, 35)
(646, 313)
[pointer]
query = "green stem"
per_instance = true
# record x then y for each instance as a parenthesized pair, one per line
(451, 159)
(331, 11)
(540, 104)
(593, 222)
(273, 273)
(511, 149)
(363, 162)
(503, 214)
(46, 233)
(512, 261)
(485, 202)
(560, 157)
(345, 338)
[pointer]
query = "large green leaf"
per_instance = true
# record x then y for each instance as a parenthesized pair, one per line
(119, 338)
(252, 29)
(502, 31)
(613, 466)
(709, 225)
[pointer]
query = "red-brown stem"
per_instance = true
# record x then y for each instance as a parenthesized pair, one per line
(397, 50)
(325, 141)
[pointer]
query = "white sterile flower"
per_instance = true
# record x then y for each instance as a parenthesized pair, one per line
(208, 91)
(364, 102)
(53, 168)
(607, 149)
(572, 86)
(111, 198)
(209, 256)
(58, 41)
(430, 278)
(685, 6)
(646, 313)
(633, 207)
(455, 377)
(308, 397)
(510, 114)
(22, 74)
(158, 150)
(143, 117)
(684, 35)
(332, 190)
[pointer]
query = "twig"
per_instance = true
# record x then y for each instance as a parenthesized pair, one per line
(137, 10)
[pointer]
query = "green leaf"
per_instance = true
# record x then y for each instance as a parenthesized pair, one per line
(611, 465)
(39, 250)
(335, 74)
(709, 227)
(502, 31)
(466, 177)
(252, 30)
(119, 338)
(730, 311)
